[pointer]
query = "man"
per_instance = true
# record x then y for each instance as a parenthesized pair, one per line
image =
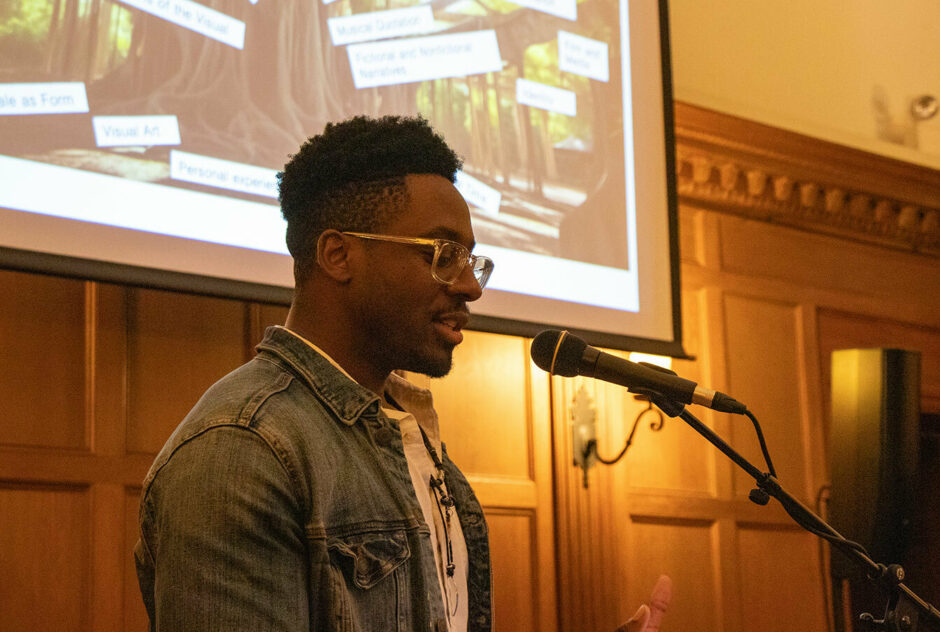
(309, 489)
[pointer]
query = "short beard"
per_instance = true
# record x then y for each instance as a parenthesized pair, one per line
(431, 367)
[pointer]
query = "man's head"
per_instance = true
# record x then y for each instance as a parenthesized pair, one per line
(352, 178)
(372, 302)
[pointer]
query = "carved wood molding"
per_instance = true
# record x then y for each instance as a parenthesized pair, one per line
(732, 165)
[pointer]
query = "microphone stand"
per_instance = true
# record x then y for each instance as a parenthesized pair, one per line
(905, 612)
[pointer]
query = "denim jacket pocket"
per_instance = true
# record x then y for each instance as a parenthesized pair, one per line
(371, 591)
(367, 558)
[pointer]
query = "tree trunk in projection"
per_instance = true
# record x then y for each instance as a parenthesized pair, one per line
(255, 104)
(231, 103)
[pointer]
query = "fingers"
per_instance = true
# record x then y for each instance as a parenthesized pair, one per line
(638, 622)
(659, 602)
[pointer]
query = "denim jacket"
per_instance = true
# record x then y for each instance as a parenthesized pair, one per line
(283, 502)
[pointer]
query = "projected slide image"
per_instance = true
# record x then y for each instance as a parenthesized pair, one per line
(212, 96)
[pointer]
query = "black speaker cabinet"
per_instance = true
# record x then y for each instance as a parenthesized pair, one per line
(874, 452)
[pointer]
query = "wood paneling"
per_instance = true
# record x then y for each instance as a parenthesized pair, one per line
(177, 346)
(760, 250)
(94, 379)
(43, 361)
(672, 459)
(495, 419)
(262, 316)
(764, 373)
(686, 551)
(780, 580)
(487, 395)
(135, 615)
(763, 305)
(45, 558)
(514, 554)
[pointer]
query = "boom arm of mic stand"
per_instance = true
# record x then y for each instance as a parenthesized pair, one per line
(905, 612)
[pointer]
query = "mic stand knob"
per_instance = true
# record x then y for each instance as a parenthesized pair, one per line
(758, 496)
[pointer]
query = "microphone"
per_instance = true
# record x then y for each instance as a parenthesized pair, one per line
(561, 353)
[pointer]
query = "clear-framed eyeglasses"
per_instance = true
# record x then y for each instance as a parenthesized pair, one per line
(450, 258)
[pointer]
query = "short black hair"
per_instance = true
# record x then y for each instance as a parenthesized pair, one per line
(352, 177)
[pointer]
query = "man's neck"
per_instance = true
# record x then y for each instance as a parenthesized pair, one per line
(352, 363)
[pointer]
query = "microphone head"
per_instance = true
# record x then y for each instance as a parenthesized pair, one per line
(558, 352)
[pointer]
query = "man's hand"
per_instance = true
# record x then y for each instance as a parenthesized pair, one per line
(648, 618)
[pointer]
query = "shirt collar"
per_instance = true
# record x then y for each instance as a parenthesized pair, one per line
(418, 402)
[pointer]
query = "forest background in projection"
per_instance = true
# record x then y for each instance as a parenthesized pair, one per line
(214, 96)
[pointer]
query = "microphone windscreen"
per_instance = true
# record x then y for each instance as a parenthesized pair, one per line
(558, 352)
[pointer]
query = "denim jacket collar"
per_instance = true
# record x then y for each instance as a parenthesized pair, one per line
(345, 397)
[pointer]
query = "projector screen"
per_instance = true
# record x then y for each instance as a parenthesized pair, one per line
(140, 140)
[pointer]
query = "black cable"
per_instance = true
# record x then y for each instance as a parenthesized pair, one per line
(826, 578)
(763, 444)
(842, 543)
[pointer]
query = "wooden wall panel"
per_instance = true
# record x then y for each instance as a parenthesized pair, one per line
(764, 370)
(822, 262)
(495, 419)
(177, 346)
(486, 394)
(261, 317)
(45, 558)
(686, 550)
(43, 368)
(103, 373)
(780, 579)
(135, 614)
(513, 551)
(672, 459)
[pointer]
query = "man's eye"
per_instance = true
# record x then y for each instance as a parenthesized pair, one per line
(447, 258)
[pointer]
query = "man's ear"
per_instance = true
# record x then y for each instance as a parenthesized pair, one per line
(333, 255)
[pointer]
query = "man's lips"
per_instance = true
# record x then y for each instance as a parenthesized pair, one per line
(454, 320)
(449, 325)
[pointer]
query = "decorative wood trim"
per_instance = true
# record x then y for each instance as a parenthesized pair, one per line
(736, 166)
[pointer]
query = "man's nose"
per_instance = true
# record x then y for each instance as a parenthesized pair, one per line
(466, 285)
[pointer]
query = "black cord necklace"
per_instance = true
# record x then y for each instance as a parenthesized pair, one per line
(444, 501)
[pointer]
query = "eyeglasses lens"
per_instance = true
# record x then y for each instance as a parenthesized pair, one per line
(482, 268)
(451, 259)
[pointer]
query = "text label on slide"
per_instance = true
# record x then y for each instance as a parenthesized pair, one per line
(583, 56)
(224, 174)
(43, 98)
(481, 195)
(424, 58)
(546, 97)
(377, 25)
(196, 17)
(567, 9)
(115, 131)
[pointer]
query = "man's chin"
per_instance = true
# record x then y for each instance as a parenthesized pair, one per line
(435, 366)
